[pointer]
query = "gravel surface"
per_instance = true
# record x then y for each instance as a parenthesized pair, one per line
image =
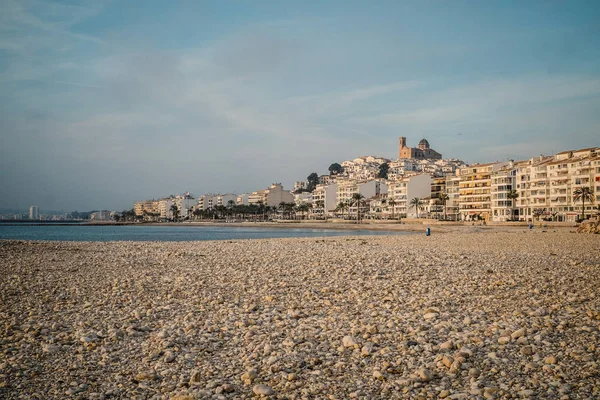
(468, 315)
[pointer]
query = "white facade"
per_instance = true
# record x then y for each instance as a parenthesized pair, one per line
(164, 208)
(304, 197)
(402, 191)
(272, 196)
(34, 212)
(324, 200)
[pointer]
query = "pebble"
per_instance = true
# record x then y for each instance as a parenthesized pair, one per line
(263, 390)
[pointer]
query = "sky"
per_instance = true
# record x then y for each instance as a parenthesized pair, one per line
(105, 103)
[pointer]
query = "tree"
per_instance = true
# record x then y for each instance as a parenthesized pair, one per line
(358, 200)
(392, 203)
(342, 206)
(383, 170)
(512, 195)
(303, 208)
(335, 169)
(417, 204)
(444, 198)
(175, 212)
(313, 181)
(537, 213)
(584, 193)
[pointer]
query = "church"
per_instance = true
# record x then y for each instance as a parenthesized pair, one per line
(421, 152)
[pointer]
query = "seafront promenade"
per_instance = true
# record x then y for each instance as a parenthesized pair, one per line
(478, 313)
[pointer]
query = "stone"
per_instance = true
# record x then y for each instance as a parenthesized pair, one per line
(349, 341)
(249, 376)
(526, 350)
(424, 375)
(490, 392)
(446, 346)
(262, 390)
(518, 333)
(377, 375)
(504, 340)
(550, 360)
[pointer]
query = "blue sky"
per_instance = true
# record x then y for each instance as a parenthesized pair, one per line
(106, 103)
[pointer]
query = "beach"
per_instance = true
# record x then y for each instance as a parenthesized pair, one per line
(475, 312)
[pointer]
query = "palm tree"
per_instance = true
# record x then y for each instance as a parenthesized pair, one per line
(512, 195)
(342, 206)
(392, 203)
(320, 204)
(303, 208)
(583, 193)
(417, 204)
(444, 198)
(358, 200)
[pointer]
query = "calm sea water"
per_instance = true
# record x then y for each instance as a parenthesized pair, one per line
(138, 233)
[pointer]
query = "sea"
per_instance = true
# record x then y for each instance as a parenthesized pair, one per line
(164, 233)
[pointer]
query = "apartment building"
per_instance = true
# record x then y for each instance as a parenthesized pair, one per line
(533, 187)
(272, 196)
(324, 200)
(34, 212)
(346, 188)
(503, 184)
(401, 192)
(303, 198)
(164, 208)
(546, 184)
(453, 192)
(475, 191)
(141, 208)
(436, 205)
(211, 200)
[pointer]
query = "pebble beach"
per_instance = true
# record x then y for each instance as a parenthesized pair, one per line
(484, 315)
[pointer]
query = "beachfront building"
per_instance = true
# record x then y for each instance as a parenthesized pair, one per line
(146, 208)
(475, 191)
(402, 191)
(185, 204)
(272, 196)
(164, 208)
(324, 200)
(303, 198)
(436, 204)
(503, 186)
(453, 192)
(211, 200)
(346, 188)
(546, 184)
(533, 187)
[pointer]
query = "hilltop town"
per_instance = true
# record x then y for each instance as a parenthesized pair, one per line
(419, 184)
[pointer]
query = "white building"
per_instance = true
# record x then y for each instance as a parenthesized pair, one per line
(302, 198)
(164, 208)
(34, 212)
(401, 192)
(324, 200)
(272, 196)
